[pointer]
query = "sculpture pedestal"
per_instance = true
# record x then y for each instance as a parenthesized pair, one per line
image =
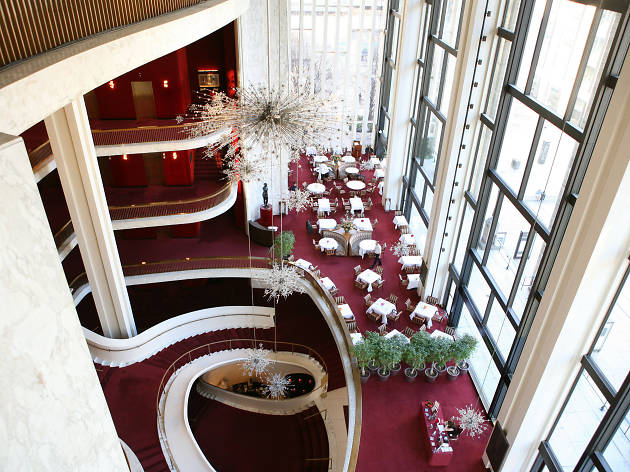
(265, 215)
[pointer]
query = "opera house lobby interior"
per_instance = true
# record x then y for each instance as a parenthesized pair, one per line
(315, 235)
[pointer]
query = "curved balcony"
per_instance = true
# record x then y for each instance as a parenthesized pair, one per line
(128, 137)
(255, 268)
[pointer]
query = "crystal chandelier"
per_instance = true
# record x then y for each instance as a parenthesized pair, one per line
(472, 421)
(282, 280)
(268, 120)
(298, 200)
(256, 361)
(276, 386)
(243, 167)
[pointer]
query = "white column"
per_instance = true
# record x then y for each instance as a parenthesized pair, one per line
(585, 275)
(438, 252)
(73, 148)
(401, 102)
(54, 414)
(264, 60)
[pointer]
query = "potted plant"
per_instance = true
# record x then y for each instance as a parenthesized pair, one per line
(347, 225)
(455, 352)
(364, 352)
(397, 355)
(373, 338)
(386, 355)
(431, 373)
(466, 345)
(443, 353)
(414, 355)
(283, 245)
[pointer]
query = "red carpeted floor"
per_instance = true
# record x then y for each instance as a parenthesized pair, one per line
(391, 433)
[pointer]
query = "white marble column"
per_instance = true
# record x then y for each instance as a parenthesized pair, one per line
(54, 415)
(73, 148)
(263, 56)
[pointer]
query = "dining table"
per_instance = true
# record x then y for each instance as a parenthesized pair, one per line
(348, 159)
(323, 204)
(328, 244)
(369, 277)
(319, 159)
(345, 311)
(362, 224)
(356, 204)
(328, 284)
(414, 281)
(410, 261)
(326, 223)
(366, 246)
(408, 239)
(316, 188)
(382, 308)
(394, 333)
(355, 185)
(426, 311)
(304, 264)
(400, 220)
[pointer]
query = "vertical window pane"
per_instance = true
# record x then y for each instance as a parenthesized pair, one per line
(483, 370)
(424, 28)
(525, 284)
(476, 173)
(594, 66)
(617, 453)
(511, 13)
(436, 74)
(550, 169)
(418, 228)
(447, 83)
(464, 233)
(579, 420)
(395, 32)
(487, 221)
(500, 329)
(479, 290)
(516, 144)
(428, 201)
(530, 43)
(561, 52)
(451, 22)
(612, 350)
(494, 91)
(503, 258)
(431, 145)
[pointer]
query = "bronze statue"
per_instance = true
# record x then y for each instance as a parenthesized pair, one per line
(265, 195)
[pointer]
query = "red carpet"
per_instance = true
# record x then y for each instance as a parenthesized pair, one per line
(391, 434)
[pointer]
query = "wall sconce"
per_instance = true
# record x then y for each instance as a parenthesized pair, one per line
(124, 157)
(174, 155)
(165, 83)
(112, 84)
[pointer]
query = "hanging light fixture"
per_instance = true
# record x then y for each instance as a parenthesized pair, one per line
(276, 387)
(256, 362)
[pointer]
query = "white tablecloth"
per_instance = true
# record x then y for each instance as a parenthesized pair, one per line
(408, 239)
(346, 312)
(362, 224)
(311, 151)
(410, 261)
(379, 173)
(365, 246)
(414, 281)
(327, 283)
(400, 220)
(317, 159)
(382, 307)
(372, 162)
(426, 311)
(356, 204)
(327, 223)
(356, 337)
(355, 185)
(323, 204)
(441, 334)
(328, 243)
(316, 188)
(348, 159)
(322, 169)
(303, 264)
(395, 332)
(352, 170)
(380, 186)
(369, 277)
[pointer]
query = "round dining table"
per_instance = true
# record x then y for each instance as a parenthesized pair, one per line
(355, 184)
(316, 188)
(327, 244)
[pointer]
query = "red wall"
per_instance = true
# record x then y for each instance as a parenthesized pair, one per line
(117, 102)
(179, 168)
(216, 51)
(127, 170)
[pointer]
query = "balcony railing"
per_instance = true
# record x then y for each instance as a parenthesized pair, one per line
(30, 27)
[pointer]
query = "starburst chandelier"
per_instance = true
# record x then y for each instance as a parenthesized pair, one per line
(276, 386)
(256, 361)
(472, 421)
(299, 200)
(400, 249)
(244, 167)
(282, 280)
(282, 118)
